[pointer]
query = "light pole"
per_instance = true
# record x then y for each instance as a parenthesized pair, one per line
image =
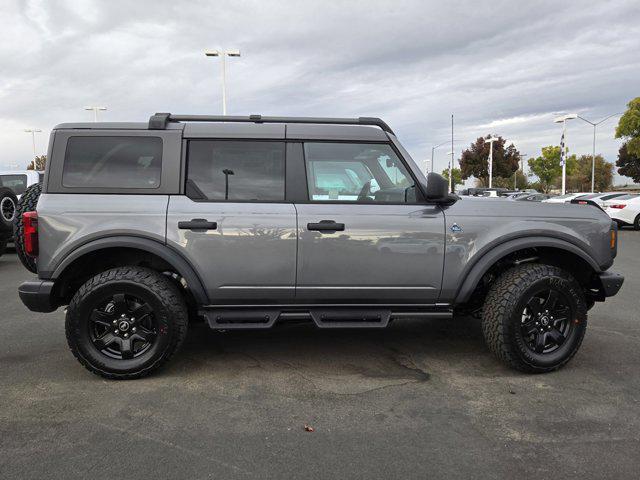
(450, 170)
(515, 175)
(33, 132)
(563, 150)
(593, 157)
(491, 140)
(95, 111)
(223, 69)
(433, 152)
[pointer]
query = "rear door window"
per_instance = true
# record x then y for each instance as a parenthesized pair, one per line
(113, 162)
(230, 170)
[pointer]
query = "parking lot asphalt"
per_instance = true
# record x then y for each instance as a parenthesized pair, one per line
(422, 399)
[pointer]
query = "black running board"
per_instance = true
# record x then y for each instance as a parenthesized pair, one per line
(323, 316)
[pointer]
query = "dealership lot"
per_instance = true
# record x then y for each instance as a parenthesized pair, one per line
(423, 397)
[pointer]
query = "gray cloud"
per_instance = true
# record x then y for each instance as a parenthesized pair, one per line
(500, 67)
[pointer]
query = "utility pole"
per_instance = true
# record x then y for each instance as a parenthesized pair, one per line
(95, 111)
(491, 140)
(223, 70)
(515, 175)
(451, 163)
(593, 156)
(33, 132)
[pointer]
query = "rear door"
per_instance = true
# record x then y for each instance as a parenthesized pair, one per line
(363, 234)
(233, 224)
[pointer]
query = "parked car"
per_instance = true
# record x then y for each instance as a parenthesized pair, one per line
(625, 210)
(566, 198)
(12, 185)
(597, 198)
(19, 180)
(247, 221)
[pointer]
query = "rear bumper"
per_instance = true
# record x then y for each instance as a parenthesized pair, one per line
(36, 295)
(611, 283)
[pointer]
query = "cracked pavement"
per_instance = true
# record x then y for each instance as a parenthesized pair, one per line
(423, 398)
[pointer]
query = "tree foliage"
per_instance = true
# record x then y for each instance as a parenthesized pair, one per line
(456, 175)
(546, 167)
(38, 163)
(629, 127)
(474, 161)
(628, 165)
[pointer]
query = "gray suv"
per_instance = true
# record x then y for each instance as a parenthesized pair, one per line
(244, 222)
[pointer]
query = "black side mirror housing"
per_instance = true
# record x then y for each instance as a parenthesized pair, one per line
(438, 189)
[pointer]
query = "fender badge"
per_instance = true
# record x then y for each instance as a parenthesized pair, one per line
(455, 228)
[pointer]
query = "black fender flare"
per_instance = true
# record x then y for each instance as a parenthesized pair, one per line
(476, 270)
(172, 257)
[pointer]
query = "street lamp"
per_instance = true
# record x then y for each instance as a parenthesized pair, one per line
(593, 157)
(95, 111)
(33, 132)
(433, 152)
(222, 54)
(491, 140)
(451, 170)
(563, 153)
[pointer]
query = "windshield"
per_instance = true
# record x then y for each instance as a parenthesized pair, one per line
(17, 183)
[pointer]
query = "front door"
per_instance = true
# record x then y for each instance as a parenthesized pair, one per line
(234, 225)
(363, 235)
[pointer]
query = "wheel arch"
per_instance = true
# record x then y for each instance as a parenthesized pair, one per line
(554, 251)
(110, 252)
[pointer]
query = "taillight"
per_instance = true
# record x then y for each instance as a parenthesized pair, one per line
(30, 232)
(619, 206)
(613, 239)
(582, 202)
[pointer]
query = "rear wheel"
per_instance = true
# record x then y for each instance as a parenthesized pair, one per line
(535, 317)
(636, 223)
(126, 322)
(8, 203)
(28, 202)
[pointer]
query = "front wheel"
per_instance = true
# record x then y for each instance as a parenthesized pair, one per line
(126, 322)
(535, 317)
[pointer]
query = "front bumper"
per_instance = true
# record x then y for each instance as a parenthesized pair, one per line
(611, 283)
(37, 295)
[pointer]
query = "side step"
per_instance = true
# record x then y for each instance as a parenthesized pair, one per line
(230, 317)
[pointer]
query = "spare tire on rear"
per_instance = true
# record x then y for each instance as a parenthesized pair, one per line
(27, 203)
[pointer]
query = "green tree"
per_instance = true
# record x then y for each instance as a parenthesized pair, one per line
(456, 175)
(629, 127)
(38, 163)
(579, 176)
(474, 161)
(628, 165)
(546, 167)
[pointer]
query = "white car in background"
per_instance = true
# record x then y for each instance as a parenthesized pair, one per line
(600, 198)
(20, 180)
(566, 197)
(625, 210)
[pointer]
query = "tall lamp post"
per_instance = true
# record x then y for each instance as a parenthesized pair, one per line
(491, 140)
(433, 152)
(451, 170)
(563, 150)
(222, 54)
(33, 132)
(95, 111)
(593, 156)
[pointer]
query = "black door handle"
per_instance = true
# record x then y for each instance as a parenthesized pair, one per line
(326, 226)
(197, 224)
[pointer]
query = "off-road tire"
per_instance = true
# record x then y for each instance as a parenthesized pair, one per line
(8, 208)
(28, 202)
(168, 307)
(636, 223)
(502, 315)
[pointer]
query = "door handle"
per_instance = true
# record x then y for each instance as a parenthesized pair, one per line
(326, 226)
(197, 224)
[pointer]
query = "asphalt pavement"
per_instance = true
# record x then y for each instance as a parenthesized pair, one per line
(422, 399)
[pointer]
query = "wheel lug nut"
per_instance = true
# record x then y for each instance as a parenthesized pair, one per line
(115, 321)
(126, 335)
(133, 329)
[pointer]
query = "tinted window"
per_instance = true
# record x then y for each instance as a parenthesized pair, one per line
(17, 183)
(357, 173)
(237, 170)
(116, 162)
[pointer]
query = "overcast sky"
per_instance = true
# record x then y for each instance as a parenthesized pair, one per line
(499, 67)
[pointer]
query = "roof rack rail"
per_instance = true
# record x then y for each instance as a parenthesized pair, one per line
(159, 121)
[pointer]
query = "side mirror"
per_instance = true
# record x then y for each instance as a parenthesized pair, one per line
(437, 187)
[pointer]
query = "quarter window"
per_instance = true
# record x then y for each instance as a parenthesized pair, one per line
(229, 170)
(113, 162)
(357, 172)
